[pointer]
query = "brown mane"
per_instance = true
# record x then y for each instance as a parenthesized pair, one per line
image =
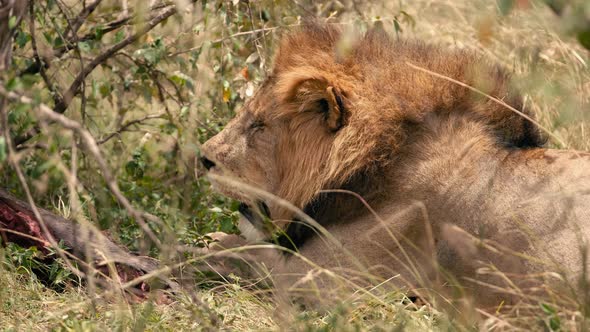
(383, 96)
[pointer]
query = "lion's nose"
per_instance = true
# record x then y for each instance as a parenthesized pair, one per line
(207, 163)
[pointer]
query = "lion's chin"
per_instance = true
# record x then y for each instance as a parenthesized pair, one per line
(256, 216)
(228, 191)
(254, 210)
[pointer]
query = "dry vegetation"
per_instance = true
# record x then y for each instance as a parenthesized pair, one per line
(154, 101)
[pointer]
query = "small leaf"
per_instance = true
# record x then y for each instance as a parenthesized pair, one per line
(184, 111)
(12, 22)
(245, 73)
(397, 27)
(84, 46)
(98, 33)
(584, 38)
(13, 84)
(252, 57)
(226, 92)
(105, 89)
(226, 225)
(555, 323)
(547, 309)
(22, 38)
(2, 149)
(119, 36)
(181, 79)
(48, 37)
(22, 108)
(58, 42)
(505, 6)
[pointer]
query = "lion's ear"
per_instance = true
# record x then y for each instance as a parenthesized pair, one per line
(335, 110)
(315, 92)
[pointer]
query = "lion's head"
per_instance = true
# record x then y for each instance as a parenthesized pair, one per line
(334, 108)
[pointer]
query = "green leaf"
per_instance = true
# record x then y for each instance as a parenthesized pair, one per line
(547, 309)
(84, 46)
(98, 33)
(182, 79)
(105, 89)
(29, 80)
(12, 22)
(505, 6)
(58, 42)
(119, 36)
(584, 38)
(555, 323)
(22, 38)
(397, 27)
(22, 108)
(48, 37)
(13, 84)
(226, 225)
(3, 153)
(184, 111)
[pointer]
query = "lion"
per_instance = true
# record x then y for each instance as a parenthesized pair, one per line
(350, 159)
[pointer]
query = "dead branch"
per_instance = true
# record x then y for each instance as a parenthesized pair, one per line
(129, 124)
(75, 25)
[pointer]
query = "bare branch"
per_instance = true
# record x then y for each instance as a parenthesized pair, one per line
(82, 16)
(75, 86)
(129, 124)
(217, 41)
(71, 44)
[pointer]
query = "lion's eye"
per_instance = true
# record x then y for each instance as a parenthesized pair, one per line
(256, 125)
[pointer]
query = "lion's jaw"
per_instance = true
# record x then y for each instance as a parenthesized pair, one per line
(234, 169)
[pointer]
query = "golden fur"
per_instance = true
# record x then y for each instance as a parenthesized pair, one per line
(440, 167)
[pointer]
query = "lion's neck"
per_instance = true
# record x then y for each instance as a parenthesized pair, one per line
(337, 204)
(425, 166)
(361, 194)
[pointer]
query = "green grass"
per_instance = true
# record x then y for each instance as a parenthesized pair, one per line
(28, 305)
